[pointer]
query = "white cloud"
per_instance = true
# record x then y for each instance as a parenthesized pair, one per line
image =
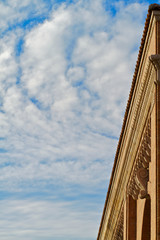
(14, 12)
(63, 102)
(70, 108)
(32, 219)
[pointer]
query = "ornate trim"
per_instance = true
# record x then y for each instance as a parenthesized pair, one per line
(141, 180)
(131, 154)
(138, 183)
(119, 228)
(143, 88)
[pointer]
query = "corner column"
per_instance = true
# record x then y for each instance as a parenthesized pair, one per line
(155, 59)
(158, 152)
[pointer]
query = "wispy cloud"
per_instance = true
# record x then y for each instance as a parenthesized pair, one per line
(66, 69)
(30, 219)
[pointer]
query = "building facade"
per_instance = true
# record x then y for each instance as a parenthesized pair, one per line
(132, 207)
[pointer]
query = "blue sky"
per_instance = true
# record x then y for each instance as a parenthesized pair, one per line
(66, 70)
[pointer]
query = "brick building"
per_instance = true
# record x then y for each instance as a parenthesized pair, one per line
(132, 207)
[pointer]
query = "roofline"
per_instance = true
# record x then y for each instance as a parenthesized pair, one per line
(150, 9)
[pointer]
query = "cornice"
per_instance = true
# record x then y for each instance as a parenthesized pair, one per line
(119, 174)
(121, 178)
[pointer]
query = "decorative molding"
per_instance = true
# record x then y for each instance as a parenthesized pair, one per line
(139, 145)
(140, 175)
(120, 226)
(134, 146)
(142, 86)
(141, 180)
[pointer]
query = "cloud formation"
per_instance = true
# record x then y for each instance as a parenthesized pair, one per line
(65, 75)
(46, 220)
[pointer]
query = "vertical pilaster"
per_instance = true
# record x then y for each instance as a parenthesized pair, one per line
(131, 218)
(152, 174)
(157, 93)
(125, 220)
(155, 59)
(158, 155)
